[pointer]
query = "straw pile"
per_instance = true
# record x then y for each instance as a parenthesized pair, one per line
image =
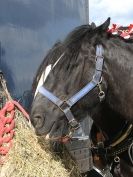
(27, 158)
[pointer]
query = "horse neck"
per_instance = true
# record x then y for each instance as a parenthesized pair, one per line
(118, 70)
(109, 121)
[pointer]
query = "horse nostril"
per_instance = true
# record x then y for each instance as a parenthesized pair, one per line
(38, 121)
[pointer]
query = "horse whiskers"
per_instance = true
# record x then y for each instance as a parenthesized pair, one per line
(62, 139)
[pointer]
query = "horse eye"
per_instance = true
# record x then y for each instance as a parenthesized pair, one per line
(38, 117)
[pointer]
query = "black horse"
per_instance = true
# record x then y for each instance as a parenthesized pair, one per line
(73, 63)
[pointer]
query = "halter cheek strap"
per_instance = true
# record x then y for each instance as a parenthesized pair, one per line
(66, 105)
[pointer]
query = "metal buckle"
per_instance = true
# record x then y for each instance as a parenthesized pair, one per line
(101, 95)
(98, 56)
(74, 124)
(64, 105)
(101, 92)
(117, 159)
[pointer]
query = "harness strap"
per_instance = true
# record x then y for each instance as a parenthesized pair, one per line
(75, 98)
(116, 148)
(123, 136)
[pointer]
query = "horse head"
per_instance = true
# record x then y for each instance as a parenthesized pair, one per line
(73, 67)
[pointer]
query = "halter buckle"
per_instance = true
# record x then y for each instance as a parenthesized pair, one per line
(101, 92)
(74, 124)
(64, 105)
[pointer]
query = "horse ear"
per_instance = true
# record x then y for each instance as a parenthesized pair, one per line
(93, 25)
(105, 25)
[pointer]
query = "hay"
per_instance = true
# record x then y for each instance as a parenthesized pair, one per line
(27, 158)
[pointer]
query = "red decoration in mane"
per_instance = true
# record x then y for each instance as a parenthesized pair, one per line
(125, 32)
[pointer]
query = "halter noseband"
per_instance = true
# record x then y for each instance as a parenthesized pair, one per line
(65, 105)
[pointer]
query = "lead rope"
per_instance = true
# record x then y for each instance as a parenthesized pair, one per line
(7, 122)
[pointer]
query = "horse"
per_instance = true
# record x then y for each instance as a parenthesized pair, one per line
(90, 72)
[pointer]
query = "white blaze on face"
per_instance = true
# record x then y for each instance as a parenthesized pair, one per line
(46, 73)
(43, 77)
